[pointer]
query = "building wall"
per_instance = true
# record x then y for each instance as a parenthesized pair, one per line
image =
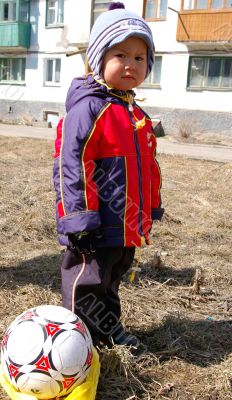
(30, 100)
(174, 92)
(172, 101)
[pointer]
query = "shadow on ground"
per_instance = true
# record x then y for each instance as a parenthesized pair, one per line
(199, 342)
(43, 271)
(168, 274)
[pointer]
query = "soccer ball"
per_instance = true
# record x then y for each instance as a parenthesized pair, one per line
(46, 352)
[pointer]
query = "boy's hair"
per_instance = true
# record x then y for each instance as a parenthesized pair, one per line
(113, 27)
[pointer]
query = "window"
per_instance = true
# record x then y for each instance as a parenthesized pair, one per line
(52, 71)
(195, 4)
(217, 4)
(197, 72)
(206, 4)
(99, 6)
(201, 4)
(55, 12)
(155, 76)
(12, 69)
(8, 10)
(188, 4)
(24, 11)
(155, 9)
(210, 72)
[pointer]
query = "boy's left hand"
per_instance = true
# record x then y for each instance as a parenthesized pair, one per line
(84, 242)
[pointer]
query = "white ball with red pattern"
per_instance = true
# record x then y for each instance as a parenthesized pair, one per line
(46, 352)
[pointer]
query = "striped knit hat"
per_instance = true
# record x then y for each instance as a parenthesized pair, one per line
(113, 27)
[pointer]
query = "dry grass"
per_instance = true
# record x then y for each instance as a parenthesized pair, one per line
(180, 303)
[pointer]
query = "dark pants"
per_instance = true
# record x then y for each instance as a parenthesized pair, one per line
(90, 286)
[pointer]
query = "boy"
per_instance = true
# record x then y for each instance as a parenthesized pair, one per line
(106, 177)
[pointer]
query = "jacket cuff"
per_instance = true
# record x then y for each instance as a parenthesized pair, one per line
(80, 222)
(157, 213)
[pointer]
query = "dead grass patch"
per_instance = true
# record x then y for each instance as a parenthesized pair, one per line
(179, 304)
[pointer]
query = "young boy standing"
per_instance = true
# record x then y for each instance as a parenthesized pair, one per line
(106, 176)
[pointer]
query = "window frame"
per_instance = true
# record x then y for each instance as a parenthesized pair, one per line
(12, 9)
(204, 81)
(157, 7)
(209, 6)
(93, 13)
(149, 83)
(52, 82)
(59, 8)
(21, 70)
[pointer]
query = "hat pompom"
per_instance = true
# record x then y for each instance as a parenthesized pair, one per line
(115, 5)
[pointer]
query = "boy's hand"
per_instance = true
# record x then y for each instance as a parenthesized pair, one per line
(84, 242)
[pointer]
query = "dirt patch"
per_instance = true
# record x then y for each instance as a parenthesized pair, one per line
(180, 304)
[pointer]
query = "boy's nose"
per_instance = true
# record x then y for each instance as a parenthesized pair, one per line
(130, 64)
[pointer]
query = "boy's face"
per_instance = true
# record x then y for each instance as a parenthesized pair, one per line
(125, 64)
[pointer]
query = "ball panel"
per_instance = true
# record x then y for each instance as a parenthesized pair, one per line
(39, 385)
(72, 362)
(25, 342)
(56, 313)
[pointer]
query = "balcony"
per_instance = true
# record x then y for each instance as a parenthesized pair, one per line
(211, 25)
(15, 28)
(14, 36)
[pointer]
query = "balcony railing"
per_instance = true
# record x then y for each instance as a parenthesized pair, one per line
(204, 25)
(15, 35)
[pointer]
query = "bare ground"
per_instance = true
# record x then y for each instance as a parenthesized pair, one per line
(180, 304)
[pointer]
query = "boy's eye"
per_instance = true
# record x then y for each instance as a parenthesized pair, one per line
(120, 55)
(139, 58)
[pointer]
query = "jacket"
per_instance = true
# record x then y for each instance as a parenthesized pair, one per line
(105, 171)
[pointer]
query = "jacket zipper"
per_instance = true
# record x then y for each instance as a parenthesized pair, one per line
(139, 173)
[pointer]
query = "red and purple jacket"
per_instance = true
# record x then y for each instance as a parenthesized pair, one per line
(106, 175)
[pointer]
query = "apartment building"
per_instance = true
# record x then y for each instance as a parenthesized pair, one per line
(43, 45)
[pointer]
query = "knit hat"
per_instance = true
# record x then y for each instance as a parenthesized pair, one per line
(113, 27)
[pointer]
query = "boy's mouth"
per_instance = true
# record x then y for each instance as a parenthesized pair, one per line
(129, 77)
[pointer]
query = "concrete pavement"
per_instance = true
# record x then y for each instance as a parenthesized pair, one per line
(27, 131)
(217, 153)
(197, 151)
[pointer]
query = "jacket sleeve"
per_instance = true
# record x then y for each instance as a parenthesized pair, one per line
(156, 182)
(76, 192)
